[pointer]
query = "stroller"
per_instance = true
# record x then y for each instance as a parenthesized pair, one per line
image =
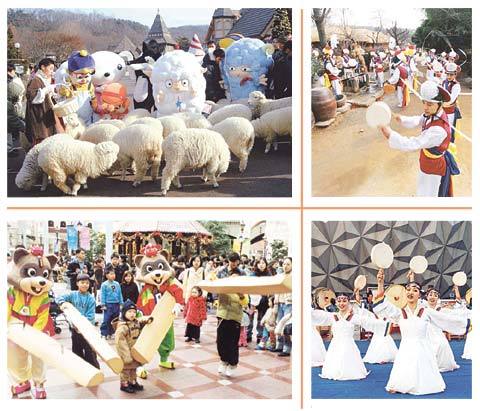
(56, 313)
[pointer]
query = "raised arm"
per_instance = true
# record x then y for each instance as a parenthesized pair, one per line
(321, 318)
(381, 306)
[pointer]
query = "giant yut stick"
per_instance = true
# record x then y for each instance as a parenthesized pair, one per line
(153, 334)
(54, 354)
(88, 331)
(276, 284)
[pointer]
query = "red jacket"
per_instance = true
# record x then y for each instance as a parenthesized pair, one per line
(195, 311)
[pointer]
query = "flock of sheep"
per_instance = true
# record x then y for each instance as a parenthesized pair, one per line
(140, 142)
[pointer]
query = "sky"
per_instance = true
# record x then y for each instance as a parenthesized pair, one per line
(172, 17)
(406, 18)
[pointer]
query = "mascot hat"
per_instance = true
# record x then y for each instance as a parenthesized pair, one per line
(81, 62)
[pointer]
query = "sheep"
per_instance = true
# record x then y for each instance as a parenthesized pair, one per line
(141, 144)
(98, 133)
(272, 124)
(114, 122)
(232, 110)
(225, 102)
(74, 125)
(194, 148)
(31, 172)
(193, 120)
(150, 121)
(239, 134)
(261, 105)
(80, 159)
(171, 124)
(135, 115)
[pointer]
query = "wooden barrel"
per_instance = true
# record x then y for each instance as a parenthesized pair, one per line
(324, 104)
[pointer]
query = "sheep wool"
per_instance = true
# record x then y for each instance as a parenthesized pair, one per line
(117, 123)
(194, 120)
(30, 173)
(260, 105)
(142, 144)
(171, 124)
(178, 83)
(136, 114)
(272, 124)
(194, 148)
(245, 67)
(239, 134)
(232, 110)
(74, 125)
(80, 159)
(98, 133)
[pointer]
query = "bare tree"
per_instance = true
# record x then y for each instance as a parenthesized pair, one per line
(400, 35)
(319, 16)
(374, 35)
(346, 28)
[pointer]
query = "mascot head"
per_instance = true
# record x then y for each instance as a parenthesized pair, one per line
(31, 271)
(152, 266)
(109, 68)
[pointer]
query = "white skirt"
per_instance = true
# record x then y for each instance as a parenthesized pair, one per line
(343, 361)
(382, 349)
(467, 350)
(444, 355)
(318, 349)
(415, 369)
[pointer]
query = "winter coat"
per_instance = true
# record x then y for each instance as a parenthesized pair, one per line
(125, 337)
(213, 76)
(195, 311)
(130, 292)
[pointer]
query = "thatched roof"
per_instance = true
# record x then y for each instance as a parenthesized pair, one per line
(359, 34)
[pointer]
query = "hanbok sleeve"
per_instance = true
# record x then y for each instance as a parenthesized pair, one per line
(410, 121)
(367, 320)
(429, 138)
(321, 318)
(384, 308)
(395, 77)
(448, 322)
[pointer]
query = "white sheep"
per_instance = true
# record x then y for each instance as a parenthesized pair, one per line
(272, 124)
(135, 115)
(74, 125)
(30, 173)
(171, 124)
(142, 144)
(98, 133)
(232, 110)
(80, 159)
(225, 102)
(239, 134)
(114, 122)
(194, 120)
(194, 148)
(150, 121)
(260, 105)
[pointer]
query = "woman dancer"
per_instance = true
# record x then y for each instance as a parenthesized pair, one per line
(415, 369)
(343, 360)
(467, 312)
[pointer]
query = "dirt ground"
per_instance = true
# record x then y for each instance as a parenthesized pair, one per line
(351, 159)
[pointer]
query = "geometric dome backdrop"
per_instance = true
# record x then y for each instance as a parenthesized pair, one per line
(341, 252)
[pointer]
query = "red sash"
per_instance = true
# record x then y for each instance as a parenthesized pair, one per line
(448, 85)
(403, 76)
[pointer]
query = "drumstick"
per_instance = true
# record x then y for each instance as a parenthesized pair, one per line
(420, 97)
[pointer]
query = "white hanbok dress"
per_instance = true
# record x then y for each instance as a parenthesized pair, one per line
(382, 348)
(318, 348)
(343, 360)
(440, 345)
(467, 349)
(427, 184)
(415, 370)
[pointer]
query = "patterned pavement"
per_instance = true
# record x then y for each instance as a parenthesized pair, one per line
(260, 374)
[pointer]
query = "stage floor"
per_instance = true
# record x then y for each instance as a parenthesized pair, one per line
(459, 382)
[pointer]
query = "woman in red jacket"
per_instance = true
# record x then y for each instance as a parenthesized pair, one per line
(195, 314)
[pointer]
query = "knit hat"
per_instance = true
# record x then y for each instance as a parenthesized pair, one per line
(128, 305)
(196, 47)
(81, 61)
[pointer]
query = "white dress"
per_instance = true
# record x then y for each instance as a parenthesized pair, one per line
(441, 346)
(415, 369)
(467, 349)
(343, 360)
(382, 348)
(427, 184)
(318, 348)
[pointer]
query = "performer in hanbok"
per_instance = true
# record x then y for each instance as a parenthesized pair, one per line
(436, 337)
(343, 360)
(453, 87)
(318, 348)
(399, 79)
(377, 62)
(382, 348)
(332, 71)
(415, 370)
(467, 313)
(437, 164)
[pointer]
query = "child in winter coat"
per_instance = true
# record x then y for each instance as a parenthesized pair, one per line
(111, 299)
(268, 322)
(195, 313)
(126, 335)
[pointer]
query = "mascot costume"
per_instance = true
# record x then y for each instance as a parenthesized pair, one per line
(154, 271)
(245, 67)
(28, 303)
(178, 83)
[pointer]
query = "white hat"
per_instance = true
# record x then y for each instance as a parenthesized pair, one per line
(451, 68)
(443, 54)
(452, 54)
(352, 63)
(346, 51)
(433, 50)
(437, 66)
(434, 93)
